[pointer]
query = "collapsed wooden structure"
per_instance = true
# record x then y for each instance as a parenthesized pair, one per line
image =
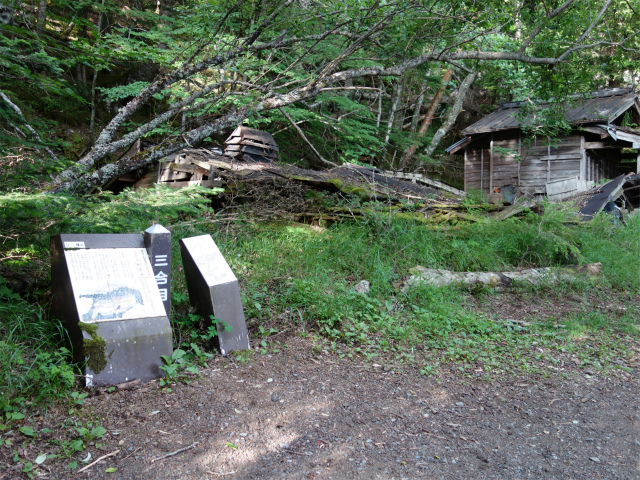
(251, 145)
(289, 190)
(498, 153)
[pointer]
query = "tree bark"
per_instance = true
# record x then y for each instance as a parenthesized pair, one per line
(397, 93)
(93, 85)
(416, 111)
(533, 276)
(452, 114)
(24, 122)
(92, 121)
(42, 15)
(379, 117)
(428, 120)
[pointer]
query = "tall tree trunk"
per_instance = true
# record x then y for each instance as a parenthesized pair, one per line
(452, 114)
(398, 115)
(42, 15)
(416, 111)
(379, 118)
(92, 121)
(397, 93)
(428, 119)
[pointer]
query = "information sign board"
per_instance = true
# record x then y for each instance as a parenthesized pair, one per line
(106, 294)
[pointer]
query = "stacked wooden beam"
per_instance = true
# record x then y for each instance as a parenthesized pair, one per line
(189, 167)
(251, 145)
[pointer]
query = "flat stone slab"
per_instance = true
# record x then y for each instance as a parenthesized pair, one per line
(214, 291)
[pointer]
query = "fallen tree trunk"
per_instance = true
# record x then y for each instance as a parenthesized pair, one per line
(533, 276)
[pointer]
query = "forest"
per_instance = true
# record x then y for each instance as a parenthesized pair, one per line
(91, 91)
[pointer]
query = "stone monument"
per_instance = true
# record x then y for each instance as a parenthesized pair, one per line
(214, 291)
(106, 293)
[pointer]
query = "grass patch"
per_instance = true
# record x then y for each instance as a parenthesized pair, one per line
(34, 366)
(300, 278)
(305, 278)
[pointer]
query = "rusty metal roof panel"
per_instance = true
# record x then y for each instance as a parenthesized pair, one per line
(499, 120)
(598, 108)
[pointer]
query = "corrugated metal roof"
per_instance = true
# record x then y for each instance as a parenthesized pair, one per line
(458, 145)
(602, 107)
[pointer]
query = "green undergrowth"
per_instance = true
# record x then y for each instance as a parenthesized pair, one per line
(27, 221)
(34, 364)
(304, 278)
(299, 278)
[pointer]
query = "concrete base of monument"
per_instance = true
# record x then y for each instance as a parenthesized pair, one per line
(123, 350)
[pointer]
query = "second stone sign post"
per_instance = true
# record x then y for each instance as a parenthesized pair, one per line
(214, 291)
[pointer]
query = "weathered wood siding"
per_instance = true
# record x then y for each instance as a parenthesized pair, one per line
(601, 164)
(506, 165)
(546, 160)
(506, 159)
(477, 169)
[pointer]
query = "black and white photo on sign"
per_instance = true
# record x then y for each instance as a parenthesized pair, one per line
(113, 284)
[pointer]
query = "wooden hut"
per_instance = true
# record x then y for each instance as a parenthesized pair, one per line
(498, 152)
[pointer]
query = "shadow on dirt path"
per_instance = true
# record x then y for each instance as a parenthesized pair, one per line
(298, 416)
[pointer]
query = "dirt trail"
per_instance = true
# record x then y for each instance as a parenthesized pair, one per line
(298, 416)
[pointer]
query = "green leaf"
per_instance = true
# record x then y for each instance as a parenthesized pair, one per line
(77, 445)
(98, 432)
(196, 349)
(15, 416)
(28, 431)
(178, 354)
(111, 470)
(231, 445)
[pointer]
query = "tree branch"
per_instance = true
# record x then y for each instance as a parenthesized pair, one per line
(575, 45)
(306, 140)
(452, 114)
(537, 31)
(24, 122)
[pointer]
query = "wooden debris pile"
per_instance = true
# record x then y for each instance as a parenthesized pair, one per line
(251, 145)
(289, 191)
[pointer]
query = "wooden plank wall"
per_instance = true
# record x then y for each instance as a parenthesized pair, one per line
(546, 160)
(530, 163)
(602, 164)
(506, 167)
(477, 169)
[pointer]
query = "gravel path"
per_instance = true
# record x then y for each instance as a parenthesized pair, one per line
(298, 416)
